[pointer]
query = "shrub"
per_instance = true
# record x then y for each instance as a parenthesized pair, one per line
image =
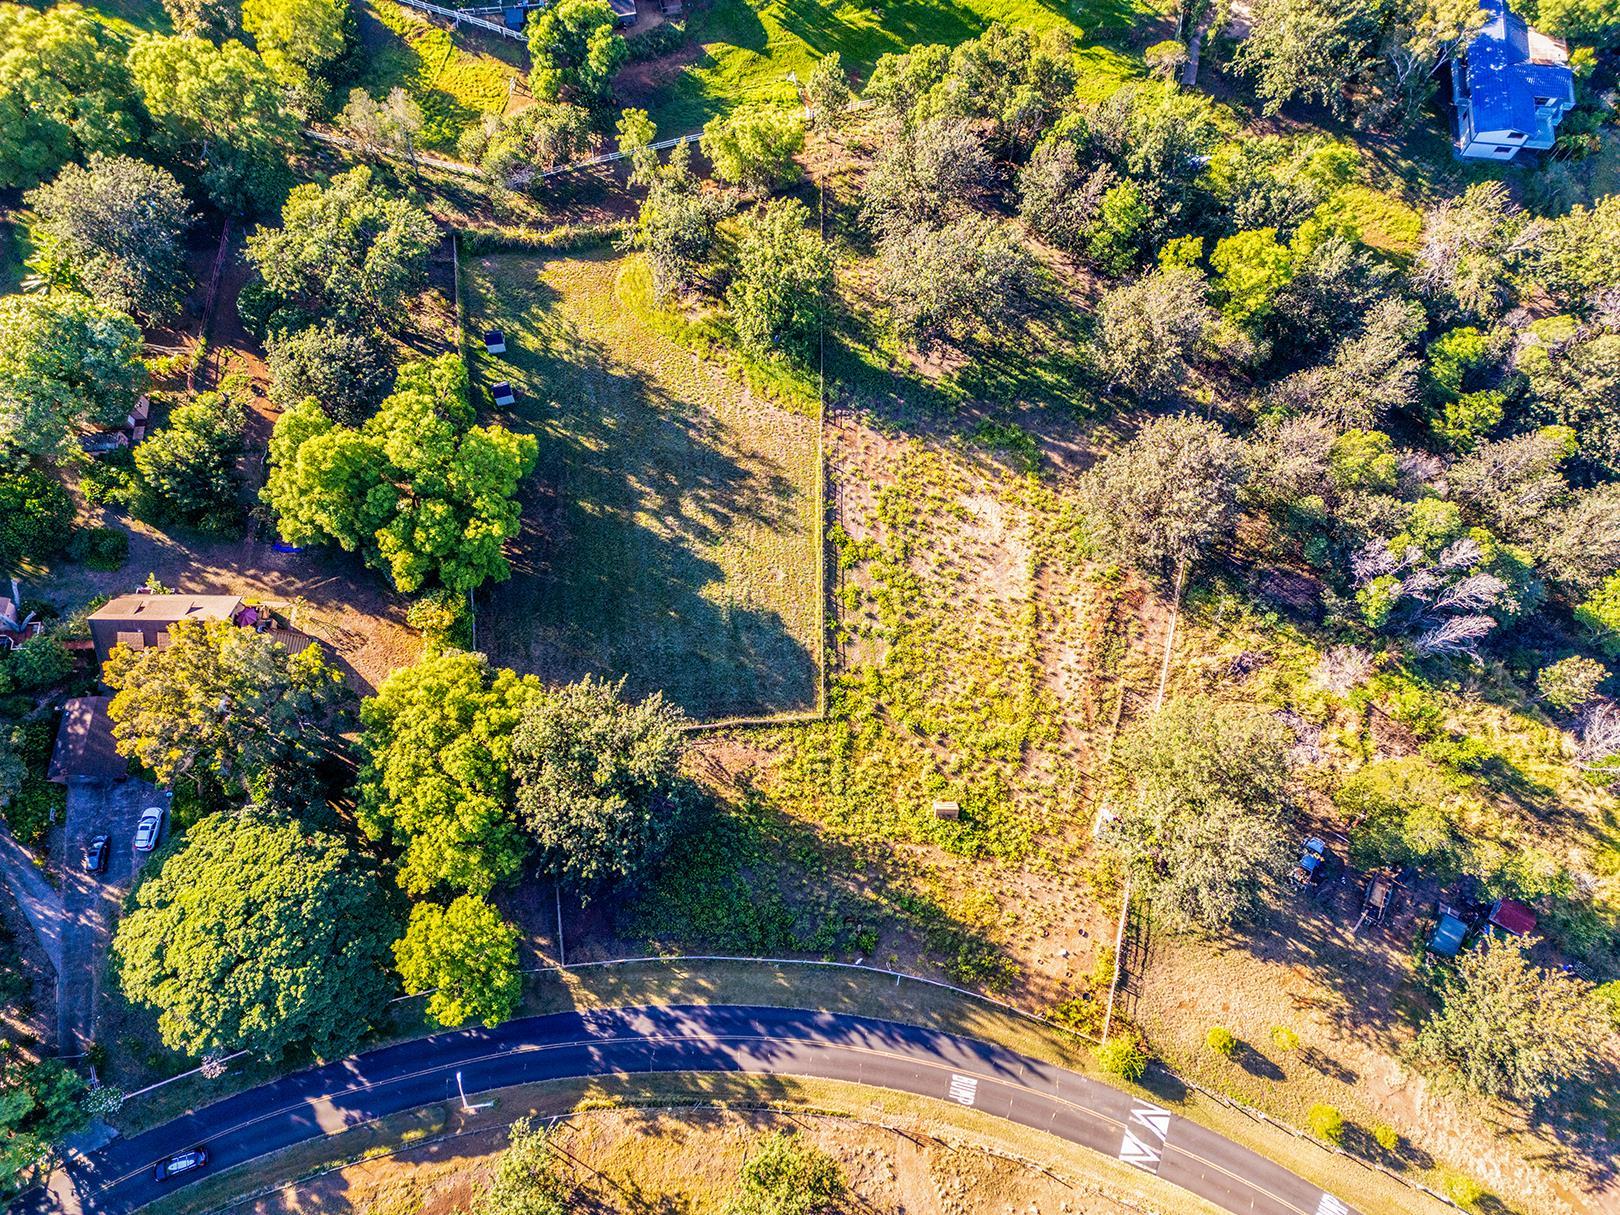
(35, 808)
(1608, 997)
(40, 662)
(1125, 1056)
(1326, 1122)
(110, 480)
(1570, 682)
(36, 515)
(100, 548)
(1220, 1040)
(1599, 614)
(444, 619)
(1284, 1038)
(1386, 1136)
(1461, 1189)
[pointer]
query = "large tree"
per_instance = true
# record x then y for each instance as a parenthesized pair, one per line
(188, 466)
(349, 373)
(258, 934)
(513, 150)
(1197, 791)
(1149, 331)
(1510, 1029)
(754, 145)
(437, 773)
(65, 362)
(785, 1174)
(599, 784)
(219, 110)
(575, 51)
(63, 91)
(349, 252)
(1167, 495)
(222, 700)
(36, 516)
(115, 228)
(529, 1178)
(465, 957)
(945, 285)
(417, 489)
(784, 280)
(1309, 49)
(925, 176)
(301, 42)
(41, 1104)
(676, 226)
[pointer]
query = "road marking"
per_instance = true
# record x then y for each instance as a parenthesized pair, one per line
(963, 1089)
(1143, 1156)
(1155, 1119)
(1331, 1206)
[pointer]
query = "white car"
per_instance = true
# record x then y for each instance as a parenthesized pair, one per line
(148, 829)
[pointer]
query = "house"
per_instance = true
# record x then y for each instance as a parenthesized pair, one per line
(1512, 917)
(85, 751)
(1511, 86)
(141, 621)
(130, 434)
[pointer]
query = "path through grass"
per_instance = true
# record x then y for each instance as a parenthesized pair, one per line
(670, 527)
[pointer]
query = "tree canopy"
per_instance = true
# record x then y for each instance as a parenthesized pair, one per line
(41, 1104)
(465, 956)
(257, 934)
(301, 42)
(784, 279)
(753, 146)
(576, 51)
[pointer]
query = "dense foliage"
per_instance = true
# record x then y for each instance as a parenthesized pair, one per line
(465, 957)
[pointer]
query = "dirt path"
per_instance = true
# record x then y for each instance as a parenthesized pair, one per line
(40, 902)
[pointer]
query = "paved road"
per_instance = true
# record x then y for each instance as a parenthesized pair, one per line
(328, 1099)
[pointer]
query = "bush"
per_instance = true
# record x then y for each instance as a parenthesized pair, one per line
(1284, 1038)
(36, 515)
(1326, 1122)
(1386, 1136)
(1125, 1056)
(666, 39)
(1220, 1040)
(1599, 614)
(33, 811)
(100, 548)
(444, 619)
(1608, 997)
(1461, 1189)
(1570, 682)
(110, 480)
(39, 662)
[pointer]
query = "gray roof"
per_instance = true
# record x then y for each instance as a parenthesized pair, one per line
(84, 744)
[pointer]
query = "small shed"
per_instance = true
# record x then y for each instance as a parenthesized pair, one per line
(495, 341)
(1447, 937)
(85, 751)
(1512, 917)
(503, 394)
(947, 809)
(624, 12)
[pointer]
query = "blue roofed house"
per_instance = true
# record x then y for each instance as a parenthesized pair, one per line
(1511, 86)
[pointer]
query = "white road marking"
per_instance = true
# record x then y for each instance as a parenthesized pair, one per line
(1142, 1155)
(1156, 1120)
(963, 1089)
(1331, 1206)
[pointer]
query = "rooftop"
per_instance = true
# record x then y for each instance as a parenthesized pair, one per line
(168, 608)
(85, 749)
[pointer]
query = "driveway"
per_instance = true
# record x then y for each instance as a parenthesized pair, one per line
(90, 901)
(39, 900)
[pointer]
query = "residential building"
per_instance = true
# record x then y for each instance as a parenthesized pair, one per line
(1511, 87)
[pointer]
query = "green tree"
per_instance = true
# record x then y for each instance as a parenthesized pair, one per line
(575, 51)
(784, 280)
(41, 1104)
(348, 372)
(1017, 79)
(1573, 256)
(1573, 371)
(350, 252)
(417, 489)
(786, 1175)
(1579, 544)
(827, 91)
(900, 81)
(1124, 1055)
(258, 934)
(1570, 683)
(1114, 239)
(382, 128)
(945, 285)
(1166, 496)
(1150, 331)
(64, 92)
(1599, 614)
(219, 109)
(188, 466)
(676, 226)
(437, 773)
(466, 957)
(301, 42)
(512, 150)
(1326, 1122)
(1511, 485)
(926, 176)
(1403, 809)
(215, 20)
(636, 135)
(116, 229)
(36, 516)
(1220, 1040)
(1463, 258)
(599, 784)
(1309, 49)
(753, 146)
(1198, 795)
(1587, 21)
(1251, 269)
(529, 1178)
(1507, 1028)
(1060, 192)
(224, 701)
(65, 362)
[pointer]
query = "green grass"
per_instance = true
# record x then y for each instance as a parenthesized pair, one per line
(748, 50)
(671, 525)
(456, 77)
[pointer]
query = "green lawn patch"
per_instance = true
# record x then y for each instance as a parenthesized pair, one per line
(748, 50)
(671, 526)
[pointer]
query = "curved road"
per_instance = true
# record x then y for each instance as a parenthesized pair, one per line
(697, 1038)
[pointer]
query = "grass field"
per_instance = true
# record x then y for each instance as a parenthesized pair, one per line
(747, 50)
(670, 528)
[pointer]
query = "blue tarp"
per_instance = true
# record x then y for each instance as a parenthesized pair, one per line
(1447, 937)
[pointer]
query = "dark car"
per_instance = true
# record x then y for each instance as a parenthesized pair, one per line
(188, 1161)
(95, 855)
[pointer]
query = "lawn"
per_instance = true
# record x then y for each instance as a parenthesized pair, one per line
(671, 526)
(746, 52)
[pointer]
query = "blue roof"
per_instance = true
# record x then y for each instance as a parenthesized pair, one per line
(1448, 935)
(1503, 82)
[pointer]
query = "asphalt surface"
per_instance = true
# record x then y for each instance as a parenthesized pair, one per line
(710, 1038)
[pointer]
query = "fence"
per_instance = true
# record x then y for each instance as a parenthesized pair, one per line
(461, 16)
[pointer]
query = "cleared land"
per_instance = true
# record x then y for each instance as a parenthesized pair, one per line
(670, 528)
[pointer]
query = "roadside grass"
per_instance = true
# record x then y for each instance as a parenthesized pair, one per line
(748, 51)
(455, 76)
(670, 530)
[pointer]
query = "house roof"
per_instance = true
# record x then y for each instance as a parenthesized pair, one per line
(84, 744)
(1510, 915)
(1509, 66)
(1447, 937)
(166, 609)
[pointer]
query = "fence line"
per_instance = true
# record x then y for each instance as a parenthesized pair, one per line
(141, 1092)
(457, 16)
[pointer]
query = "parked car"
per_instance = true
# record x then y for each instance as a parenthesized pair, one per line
(181, 1162)
(95, 855)
(148, 829)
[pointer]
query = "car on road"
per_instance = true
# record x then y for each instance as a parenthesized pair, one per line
(95, 855)
(188, 1161)
(148, 829)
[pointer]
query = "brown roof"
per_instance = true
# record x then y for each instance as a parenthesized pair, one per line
(84, 744)
(168, 608)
